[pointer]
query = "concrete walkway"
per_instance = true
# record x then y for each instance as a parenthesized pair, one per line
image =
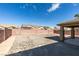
(6, 45)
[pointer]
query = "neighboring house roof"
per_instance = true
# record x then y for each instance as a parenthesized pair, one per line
(24, 25)
(7, 25)
(2, 27)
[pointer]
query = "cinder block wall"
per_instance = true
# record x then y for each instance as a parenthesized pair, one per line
(8, 33)
(5, 34)
(1, 36)
(67, 32)
(33, 31)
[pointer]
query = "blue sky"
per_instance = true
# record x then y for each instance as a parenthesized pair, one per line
(37, 13)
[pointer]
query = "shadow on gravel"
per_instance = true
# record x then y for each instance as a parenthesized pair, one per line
(56, 49)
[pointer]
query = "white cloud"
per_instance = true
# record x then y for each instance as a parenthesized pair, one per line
(29, 5)
(34, 7)
(74, 4)
(53, 7)
(24, 6)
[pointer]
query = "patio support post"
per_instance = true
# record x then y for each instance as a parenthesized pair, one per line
(62, 33)
(72, 33)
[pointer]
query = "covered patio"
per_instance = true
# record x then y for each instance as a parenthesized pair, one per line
(69, 24)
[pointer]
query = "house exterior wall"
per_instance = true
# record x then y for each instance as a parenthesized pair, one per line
(26, 27)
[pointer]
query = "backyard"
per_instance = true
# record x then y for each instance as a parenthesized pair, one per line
(42, 45)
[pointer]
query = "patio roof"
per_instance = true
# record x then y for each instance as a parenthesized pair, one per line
(71, 23)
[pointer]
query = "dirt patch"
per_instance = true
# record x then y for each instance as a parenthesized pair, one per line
(23, 42)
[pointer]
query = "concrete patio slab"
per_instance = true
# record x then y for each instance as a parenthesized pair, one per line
(73, 41)
(6, 45)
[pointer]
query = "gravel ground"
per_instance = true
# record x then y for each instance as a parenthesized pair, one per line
(41, 45)
(25, 42)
